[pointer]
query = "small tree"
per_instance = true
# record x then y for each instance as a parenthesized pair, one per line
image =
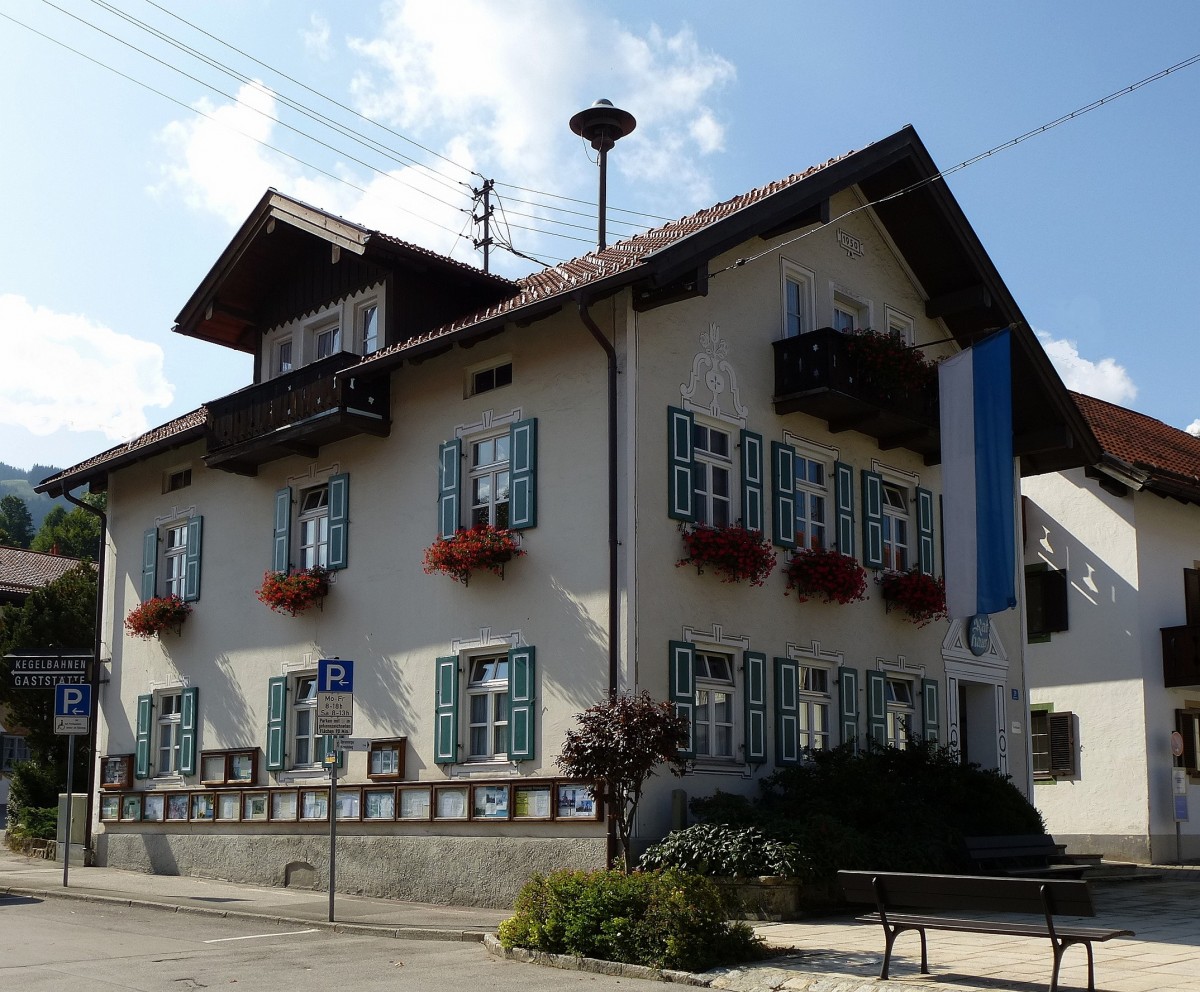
(16, 521)
(618, 744)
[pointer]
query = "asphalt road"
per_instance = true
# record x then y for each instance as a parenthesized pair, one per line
(63, 946)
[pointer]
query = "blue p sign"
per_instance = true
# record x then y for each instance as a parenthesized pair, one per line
(335, 675)
(72, 700)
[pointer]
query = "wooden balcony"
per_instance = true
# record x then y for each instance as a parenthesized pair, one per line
(1181, 657)
(815, 374)
(295, 414)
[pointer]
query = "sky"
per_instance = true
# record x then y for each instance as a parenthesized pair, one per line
(136, 137)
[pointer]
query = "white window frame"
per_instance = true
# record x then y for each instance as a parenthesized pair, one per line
(331, 331)
(13, 748)
(816, 705)
(704, 714)
(901, 711)
(852, 305)
(312, 526)
(174, 557)
(901, 324)
(168, 724)
(495, 693)
(364, 344)
(283, 356)
(810, 496)
(709, 466)
(497, 473)
(800, 318)
(304, 705)
(897, 526)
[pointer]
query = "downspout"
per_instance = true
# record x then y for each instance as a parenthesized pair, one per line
(94, 679)
(613, 593)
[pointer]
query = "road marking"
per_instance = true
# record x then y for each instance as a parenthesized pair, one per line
(258, 936)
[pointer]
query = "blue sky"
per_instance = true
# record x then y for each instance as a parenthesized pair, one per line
(118, 197)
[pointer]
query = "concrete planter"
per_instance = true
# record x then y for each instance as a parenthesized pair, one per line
(765, 897)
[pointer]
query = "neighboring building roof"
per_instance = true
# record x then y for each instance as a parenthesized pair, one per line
(21, 572)
(1146, 453)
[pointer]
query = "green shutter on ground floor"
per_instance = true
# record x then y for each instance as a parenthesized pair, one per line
(682, 676)
(277, 690)
(189, 701)
(145, 715)
(877, 706)
(848, 704)
(445, 715)
(521, 709)
(787, 712)
(754, 666)
(929, 708)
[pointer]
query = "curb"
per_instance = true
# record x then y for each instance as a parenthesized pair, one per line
(596, 966)
(374, 930)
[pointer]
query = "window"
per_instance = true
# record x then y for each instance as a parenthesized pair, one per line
(386, 759)
(497, 706)
(1052, 738)
(485, 380)
(306, 752)
(283, 356)
(899, 712)
(487, 707)
(322, 526)
(895, 528)
(1045, 601)
(170, 709)
(712, 471)
(12, 750)
(368, 328)
(901, 325)
(175, 560)
(797, 300)
(327, 341)
(167, 721)
(490, 480)
(712, 717)
(811, 498)
(847, 314)
(229, 767)
(171, 559)
(814, 708)
(176, 480)
(314, 527)
(292, 739)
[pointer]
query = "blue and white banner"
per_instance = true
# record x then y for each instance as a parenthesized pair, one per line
(978, 488)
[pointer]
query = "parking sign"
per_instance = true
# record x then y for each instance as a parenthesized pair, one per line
(335, 697)
(72, 708)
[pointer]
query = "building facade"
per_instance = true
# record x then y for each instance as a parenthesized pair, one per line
(698, 376)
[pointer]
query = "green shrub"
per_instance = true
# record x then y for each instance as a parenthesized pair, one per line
(39, 822)
(667, 919)
(33, 787)
(717, 849)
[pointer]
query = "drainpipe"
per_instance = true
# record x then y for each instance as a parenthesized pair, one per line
(94, 728)
(613, 596)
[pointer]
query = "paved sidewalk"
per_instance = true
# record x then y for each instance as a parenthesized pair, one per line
(828, 955)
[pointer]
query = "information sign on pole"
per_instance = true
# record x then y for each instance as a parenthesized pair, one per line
(43, 671)
(72, 709)
(335, 716)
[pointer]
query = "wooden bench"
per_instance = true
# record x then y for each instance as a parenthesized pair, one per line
(983, 896)
(1022, 855)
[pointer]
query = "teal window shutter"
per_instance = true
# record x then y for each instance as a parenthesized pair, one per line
(281, 548)
(929, 706)
(339, 521)
(445, 736)
(787, 712)
(682, 673)
(681, 500)
(754, 664)
(145, 714)
(872, 487)
(783, 493)
(877, 706)
(522, 462)
(925, 530)
(149, 563)
(843, 498)
(848, 705)
(277, 690)
(449, 479)
(188, 716)
(191, 575)
(752, 480)
(521, 695)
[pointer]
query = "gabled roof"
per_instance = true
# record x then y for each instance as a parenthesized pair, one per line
(1144, 453)
(896, 174)
(21, 572)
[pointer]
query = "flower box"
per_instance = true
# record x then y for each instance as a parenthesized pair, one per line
(482, 547)
(920, 596)
(159, 613)
(890, 364)
(733, 552)
(293, 592)
(825, 573)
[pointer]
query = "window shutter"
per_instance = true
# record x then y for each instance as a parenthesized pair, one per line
(877, 706)
(522, 447)
(754, 665)
(848, 705)
(188, 703)
(681, 499)
(339, 521)
(925, 555)
(521, 713)
(1062, 743)
(191, 575)
(141, 759)
(752, 481)
(683, 688)
(449, 476)
(277, 689)
(281, 549)
(872, 487)
(149, 563)
(445, 737)
(787, 712)
(783, 488)
(843, 497)
(929, 706)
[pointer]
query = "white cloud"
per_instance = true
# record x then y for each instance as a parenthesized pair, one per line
(1193, 428)
(66, 372)
(1105, 379)
(316, 39)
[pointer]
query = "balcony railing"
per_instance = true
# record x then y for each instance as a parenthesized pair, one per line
(296, 413)
(816, 374)
(1181, 657)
